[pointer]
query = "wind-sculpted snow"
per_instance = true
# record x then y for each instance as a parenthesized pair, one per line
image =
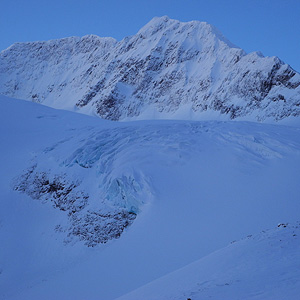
(169, 70)
(263, 266)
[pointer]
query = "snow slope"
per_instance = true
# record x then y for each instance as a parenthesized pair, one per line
(264, 266)
(168, 70)
(192, 187)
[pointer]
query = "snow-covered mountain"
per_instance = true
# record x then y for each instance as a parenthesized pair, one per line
(168, 70)
(93, 209)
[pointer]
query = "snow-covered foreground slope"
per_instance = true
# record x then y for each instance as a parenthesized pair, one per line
(184, 189)
(168, 70)
(265, 266)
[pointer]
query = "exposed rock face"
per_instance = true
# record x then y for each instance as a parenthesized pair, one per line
(168, 69)
(92, 227)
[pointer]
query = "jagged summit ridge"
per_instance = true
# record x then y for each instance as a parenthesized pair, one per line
(169, 69)
(160, 24)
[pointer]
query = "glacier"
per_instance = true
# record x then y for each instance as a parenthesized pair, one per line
(190, 189)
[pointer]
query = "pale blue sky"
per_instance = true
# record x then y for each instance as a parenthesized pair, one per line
(270, 26)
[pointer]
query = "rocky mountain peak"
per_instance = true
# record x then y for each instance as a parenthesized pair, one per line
(169, 69)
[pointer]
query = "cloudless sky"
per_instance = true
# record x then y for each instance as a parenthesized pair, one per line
(269, 26)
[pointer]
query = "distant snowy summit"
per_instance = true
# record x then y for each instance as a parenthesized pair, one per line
(168, 70)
